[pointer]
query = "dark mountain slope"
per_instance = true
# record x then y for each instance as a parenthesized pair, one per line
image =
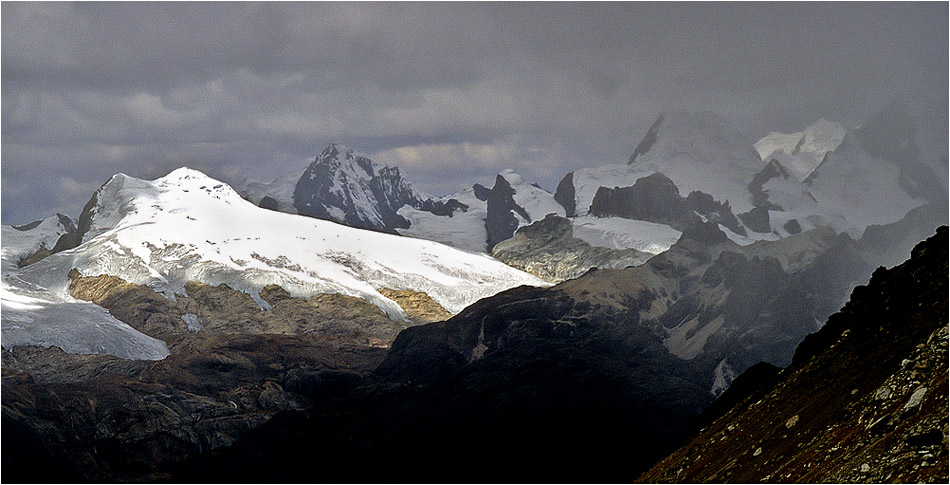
(553, 401)
(864, 400)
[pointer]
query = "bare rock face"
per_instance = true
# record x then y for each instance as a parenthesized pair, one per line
(549, 250)
(500, 221)
(211, 310)
(656, 198)
(53, 365)
(139, 306)
(419, 307)
(95, 432)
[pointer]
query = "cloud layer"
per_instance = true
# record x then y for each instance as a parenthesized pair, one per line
(452, 93)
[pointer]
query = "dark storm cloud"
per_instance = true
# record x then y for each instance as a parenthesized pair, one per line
(450, 92)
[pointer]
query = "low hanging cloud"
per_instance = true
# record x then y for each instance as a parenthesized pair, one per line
(451, 93)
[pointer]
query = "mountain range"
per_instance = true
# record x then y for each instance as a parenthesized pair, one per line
(180, 325)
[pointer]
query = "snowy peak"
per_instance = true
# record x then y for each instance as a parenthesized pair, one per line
(513, 203)
(187, 226)
(802, 152)
(860, 187)
(699, 152)
(821, 137)
(890, 135)
(343, 186)
(28, 243)
(705, 137)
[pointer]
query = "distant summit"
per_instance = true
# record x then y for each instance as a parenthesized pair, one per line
(349, 188)
(801, 152)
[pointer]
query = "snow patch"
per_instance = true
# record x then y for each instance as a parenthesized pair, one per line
(621, 233)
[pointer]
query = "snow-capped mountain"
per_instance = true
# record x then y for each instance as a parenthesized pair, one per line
(697, 152)
(187, 226)
(43, 236)
(860, 187)
(346, 187)
(700, 152)
(800, 153)
(33, 315)
(513, 203)
(768, 190)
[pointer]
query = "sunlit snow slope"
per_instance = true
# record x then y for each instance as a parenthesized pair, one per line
(32, 315)
(188, 226)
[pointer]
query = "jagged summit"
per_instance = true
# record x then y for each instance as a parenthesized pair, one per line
(346, 187)
(801, 152)
(513, 203)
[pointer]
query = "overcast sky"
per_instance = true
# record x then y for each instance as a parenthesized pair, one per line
(451, 93)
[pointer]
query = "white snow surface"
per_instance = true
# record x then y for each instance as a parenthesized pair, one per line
(859, 189)
(280, 189)
(30, 314)
(587, 180)
(537, 202)
(187, 226)
(620, 233)
(722, 377)
(802, 152)
(701, 151)
(463, 230)
(19, 244)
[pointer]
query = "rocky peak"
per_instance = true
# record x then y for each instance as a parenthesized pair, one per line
(349, 188)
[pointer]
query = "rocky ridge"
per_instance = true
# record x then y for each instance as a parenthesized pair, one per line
(548, 249)
(864, 399)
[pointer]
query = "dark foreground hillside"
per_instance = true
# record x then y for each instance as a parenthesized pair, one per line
(865, 399)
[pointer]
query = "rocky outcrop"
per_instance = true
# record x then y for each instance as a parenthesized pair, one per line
(655, 198)
(864, 399)
(351, 189)
(757, 220)
(419, 307)
(549, 250)
(564, 195)
(53, 365)
(501, 221)
(223, 310)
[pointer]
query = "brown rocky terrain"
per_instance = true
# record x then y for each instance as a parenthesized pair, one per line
(419, 307)
(864, 400)
(223, 310)
(233, 367)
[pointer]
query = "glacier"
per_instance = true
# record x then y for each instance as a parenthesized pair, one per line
(188, 226)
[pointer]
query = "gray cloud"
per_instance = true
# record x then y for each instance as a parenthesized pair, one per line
(450, 92)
